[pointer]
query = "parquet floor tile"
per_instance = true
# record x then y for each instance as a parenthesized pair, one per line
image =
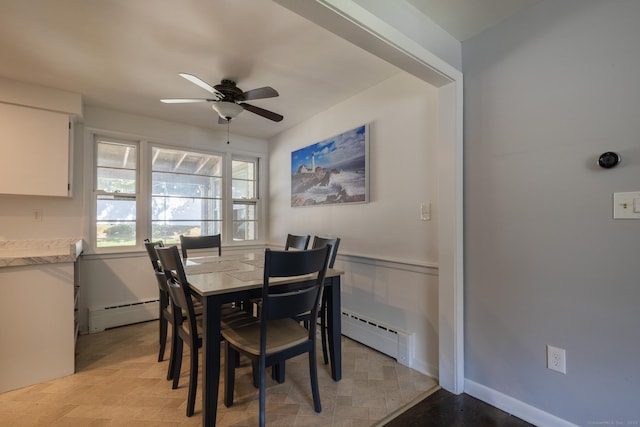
(118, 382)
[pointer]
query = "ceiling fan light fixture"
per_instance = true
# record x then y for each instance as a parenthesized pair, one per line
(227, 110)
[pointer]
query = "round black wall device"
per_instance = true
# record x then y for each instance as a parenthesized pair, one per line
(608, 160)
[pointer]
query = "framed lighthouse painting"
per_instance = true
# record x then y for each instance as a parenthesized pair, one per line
(332, 171)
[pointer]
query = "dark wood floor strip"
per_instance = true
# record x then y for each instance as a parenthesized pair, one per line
(445, 409)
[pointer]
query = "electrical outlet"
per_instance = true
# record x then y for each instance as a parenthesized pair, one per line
(37, 215)
(556, 359)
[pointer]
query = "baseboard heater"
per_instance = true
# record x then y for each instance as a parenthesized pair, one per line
(384, 338)
(105, 317)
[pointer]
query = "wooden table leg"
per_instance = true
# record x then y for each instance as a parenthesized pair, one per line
(210, 360)
(334, 326)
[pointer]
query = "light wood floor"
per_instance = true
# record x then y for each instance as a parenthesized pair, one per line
(118, 382)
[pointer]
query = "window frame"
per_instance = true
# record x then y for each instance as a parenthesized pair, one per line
(95, 193)
(256, 201)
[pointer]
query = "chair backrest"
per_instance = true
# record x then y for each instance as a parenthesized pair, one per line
(200, 242)
(151, 251)
(157, 269)
(320, 242)
(305, 299)
(179, 288)
(296, 242)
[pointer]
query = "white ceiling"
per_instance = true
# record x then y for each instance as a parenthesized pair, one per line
(126, 54)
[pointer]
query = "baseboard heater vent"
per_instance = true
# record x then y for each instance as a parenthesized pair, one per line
(384, 338)
(105, 317)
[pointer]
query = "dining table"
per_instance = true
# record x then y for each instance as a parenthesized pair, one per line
(238, 276)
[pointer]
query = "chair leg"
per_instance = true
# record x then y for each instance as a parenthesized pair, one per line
(173, 351)
(263, 380)
(255, 370)
(313, 373)
(177, 363)
(230, 361)
(163, 336)
(193, 379)
(323, 330)
(278, 371)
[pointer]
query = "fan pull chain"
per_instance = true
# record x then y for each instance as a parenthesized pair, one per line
(228, 121)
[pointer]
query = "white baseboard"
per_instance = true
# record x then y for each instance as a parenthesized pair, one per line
(513, 406)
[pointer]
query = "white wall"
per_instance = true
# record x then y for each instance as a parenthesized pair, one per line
(546, 93)
(388, 253)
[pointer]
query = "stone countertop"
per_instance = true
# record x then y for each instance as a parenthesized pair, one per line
(39, 251)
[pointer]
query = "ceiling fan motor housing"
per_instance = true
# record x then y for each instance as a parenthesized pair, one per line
(231, 92)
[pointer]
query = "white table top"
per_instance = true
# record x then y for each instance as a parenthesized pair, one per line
(211, 275)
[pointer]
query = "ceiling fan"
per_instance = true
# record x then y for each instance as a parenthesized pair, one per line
(228, 100)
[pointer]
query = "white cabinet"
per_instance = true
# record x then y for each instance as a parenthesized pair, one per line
(36, 324)
(38, 297)
(35, 151)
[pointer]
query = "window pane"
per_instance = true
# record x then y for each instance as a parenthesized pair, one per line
(116, 180)
(116, 155)
(115, 222)
(169, 231)
(244, 212)
(243, 189)
(186, 194)
(186, 185)
(245, 230)
(243, 170)
(185, 209)
(177, 161)
(115, 234)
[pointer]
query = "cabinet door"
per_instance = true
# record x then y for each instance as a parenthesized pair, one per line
(34, 156)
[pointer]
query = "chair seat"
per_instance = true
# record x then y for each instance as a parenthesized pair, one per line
(281, 334)
(229, 318)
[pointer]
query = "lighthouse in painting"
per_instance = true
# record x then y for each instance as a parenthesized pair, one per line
(313, 162)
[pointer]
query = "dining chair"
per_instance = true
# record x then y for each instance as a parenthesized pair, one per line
(320, 242)
(277, 336)
(165, 316)
(188, 325)
(165, 306)
(293, 242)
(200, 242)
(296, 242)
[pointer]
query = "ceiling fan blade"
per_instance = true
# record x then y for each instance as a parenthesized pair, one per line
(262, 112)
(185, 100)
(198, 81)
(260, 93)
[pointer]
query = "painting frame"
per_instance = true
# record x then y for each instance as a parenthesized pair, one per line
(333, 171)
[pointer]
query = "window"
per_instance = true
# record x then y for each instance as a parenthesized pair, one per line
(144, 190)
(186, 195)
(115, 192)
(244, 189)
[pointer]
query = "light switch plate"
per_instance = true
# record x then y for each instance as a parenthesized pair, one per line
(625, 205)
(425, 211)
